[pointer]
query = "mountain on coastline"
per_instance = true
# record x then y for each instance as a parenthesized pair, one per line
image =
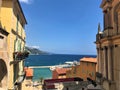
(35, 51)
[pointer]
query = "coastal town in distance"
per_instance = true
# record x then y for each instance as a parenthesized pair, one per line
(23, 67)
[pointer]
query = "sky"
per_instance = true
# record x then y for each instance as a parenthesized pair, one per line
(62, 26)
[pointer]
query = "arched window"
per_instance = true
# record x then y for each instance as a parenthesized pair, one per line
(3, 72)
(117, 18)
(119, 21)
(105, 20)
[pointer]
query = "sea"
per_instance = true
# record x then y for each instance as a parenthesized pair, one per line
(49, 60)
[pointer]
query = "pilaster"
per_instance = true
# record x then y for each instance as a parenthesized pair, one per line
(99, 60)
(105, 62)
(109, 62)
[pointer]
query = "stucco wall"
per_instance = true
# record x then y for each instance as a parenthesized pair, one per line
(84, 70)
(3, 62)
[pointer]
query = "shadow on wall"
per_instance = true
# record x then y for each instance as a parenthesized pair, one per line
(0, 24)
(3, 70)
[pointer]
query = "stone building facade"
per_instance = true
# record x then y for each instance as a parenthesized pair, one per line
(13, 21)
(87, 68)
(3, 59)
(60, 73)
(108, 46)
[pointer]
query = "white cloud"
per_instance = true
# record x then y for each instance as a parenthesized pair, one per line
(26, 1)
(37, 47)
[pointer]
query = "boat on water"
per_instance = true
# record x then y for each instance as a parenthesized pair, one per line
(52, 68)
(67, 64)
(72, 63)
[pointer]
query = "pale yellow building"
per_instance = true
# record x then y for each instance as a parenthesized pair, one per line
(28, 83)
(108, 46)
(12, 20)
(3, 59)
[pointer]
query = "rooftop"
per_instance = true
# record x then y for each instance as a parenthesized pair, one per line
(62, 70)
(22, 11)
(29, 72)
(89, 59)
(62, 80)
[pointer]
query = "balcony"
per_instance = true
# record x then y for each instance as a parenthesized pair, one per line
(20, 55)
(107, 33)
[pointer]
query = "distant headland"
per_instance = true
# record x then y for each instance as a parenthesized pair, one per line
(35, 51)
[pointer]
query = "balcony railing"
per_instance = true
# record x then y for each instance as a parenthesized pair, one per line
(20, 55)
(106, 33)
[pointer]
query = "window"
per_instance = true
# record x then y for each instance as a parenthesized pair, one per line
(1, 43)
(17, 23)
(93, 74)
(83, 71)
(74, 70)
(87, 63)
(67, 88)
(87, 72)
(118, 22)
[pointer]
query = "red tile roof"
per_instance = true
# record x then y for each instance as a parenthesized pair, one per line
(62, 70)
(29, 72)
(89, 59)
(62, 80)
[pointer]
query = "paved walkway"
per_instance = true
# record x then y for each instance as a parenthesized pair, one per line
(28, 85)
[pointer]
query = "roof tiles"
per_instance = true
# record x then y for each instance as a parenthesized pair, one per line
(89, 59)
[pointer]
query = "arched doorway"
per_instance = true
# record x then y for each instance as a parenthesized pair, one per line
(3, 74)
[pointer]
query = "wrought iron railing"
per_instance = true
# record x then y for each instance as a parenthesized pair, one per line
(20, 55)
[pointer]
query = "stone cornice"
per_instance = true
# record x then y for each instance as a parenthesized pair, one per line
(108, 41)
(4, 32)
(20, 8)
(1, 37)
(104, 2)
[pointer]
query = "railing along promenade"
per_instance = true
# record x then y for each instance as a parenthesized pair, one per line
(52, 66)
(40, 66)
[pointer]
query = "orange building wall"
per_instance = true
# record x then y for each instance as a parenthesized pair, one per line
(84, 70)
(29, 73)
(54, 74)
(60, 73)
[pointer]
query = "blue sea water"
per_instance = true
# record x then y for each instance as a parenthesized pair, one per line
(39, 73)
(48, 60)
